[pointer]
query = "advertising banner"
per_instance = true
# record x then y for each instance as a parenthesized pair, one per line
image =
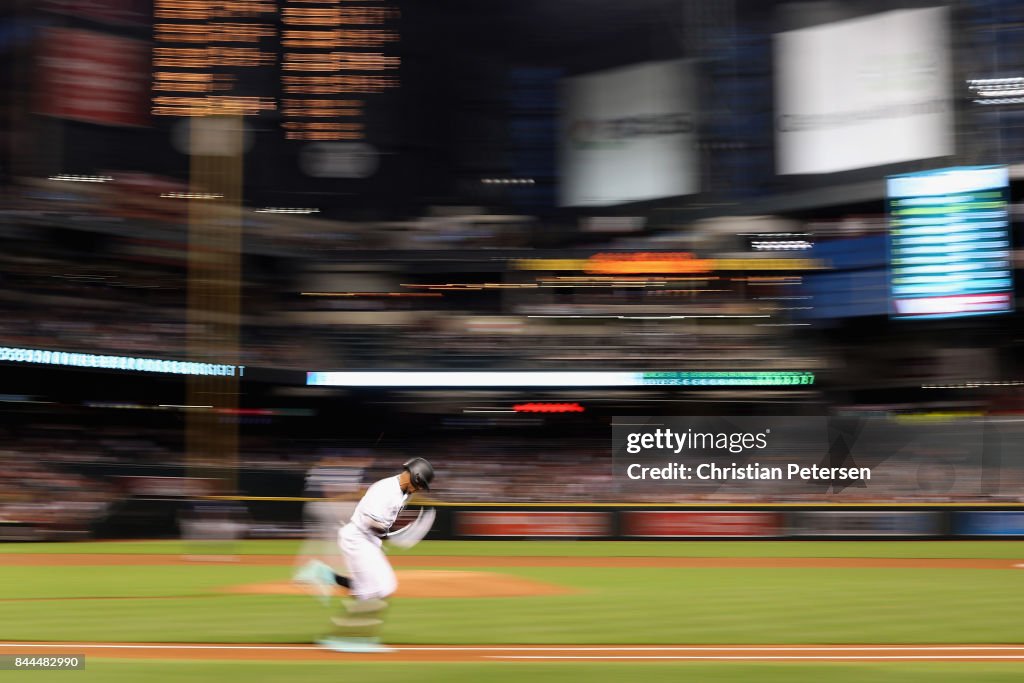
(864, 92)
(701, 523)
(988, 523)
(534, 524)
(628, 135)
(93, 77)
(124, 12)
(864, 523)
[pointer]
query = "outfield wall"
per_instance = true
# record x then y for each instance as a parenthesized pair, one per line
(728, 522)
(162, 501)
(271, 518)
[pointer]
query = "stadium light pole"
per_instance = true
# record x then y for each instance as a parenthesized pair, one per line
(214, 267)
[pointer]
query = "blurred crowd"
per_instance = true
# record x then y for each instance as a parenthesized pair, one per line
(69, 299)
(620, 346)
(103, 268)
(470, 468)
(134, 202)
(41, 501)
(116, 282)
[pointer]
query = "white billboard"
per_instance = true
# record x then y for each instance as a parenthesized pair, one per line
(864, 92)
(628, 135)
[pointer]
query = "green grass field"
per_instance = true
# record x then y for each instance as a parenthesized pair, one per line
(185, 603)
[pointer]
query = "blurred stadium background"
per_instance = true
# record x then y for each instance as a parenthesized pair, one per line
(663, 188)
(743, 208)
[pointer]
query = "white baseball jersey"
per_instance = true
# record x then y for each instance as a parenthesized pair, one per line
(369, 571)
(379, 508)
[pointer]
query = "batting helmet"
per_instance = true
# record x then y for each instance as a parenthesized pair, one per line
(420, 471)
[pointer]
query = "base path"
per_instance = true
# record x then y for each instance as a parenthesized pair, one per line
(528, 653)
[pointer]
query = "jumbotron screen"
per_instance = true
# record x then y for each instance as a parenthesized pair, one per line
(949, 243)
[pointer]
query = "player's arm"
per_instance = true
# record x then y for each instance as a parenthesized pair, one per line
(412, 533)
(375, 523)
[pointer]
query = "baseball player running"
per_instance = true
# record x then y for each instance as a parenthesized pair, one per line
(370, 579)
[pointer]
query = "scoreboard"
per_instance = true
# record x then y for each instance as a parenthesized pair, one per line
(314, 63)
(949, 243)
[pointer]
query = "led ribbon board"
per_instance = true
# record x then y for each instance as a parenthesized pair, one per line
(126, 363)
(949, 243)
(704, 378)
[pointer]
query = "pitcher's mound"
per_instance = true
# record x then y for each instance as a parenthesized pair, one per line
(425, 583)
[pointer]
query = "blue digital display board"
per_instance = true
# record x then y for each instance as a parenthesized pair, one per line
(949, 243)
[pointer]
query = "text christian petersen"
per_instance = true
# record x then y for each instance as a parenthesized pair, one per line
(733, 443)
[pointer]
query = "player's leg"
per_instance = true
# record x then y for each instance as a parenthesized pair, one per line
(372, 579)
(357, 628)
(324, 567)
(341, 513)
(369, 573)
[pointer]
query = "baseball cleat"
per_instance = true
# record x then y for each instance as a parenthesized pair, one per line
(354, 645)
(318, 576)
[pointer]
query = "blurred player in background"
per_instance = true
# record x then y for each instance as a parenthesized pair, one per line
(369, 576)
(337, 483)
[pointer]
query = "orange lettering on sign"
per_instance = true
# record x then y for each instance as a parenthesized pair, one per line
(647, 262)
